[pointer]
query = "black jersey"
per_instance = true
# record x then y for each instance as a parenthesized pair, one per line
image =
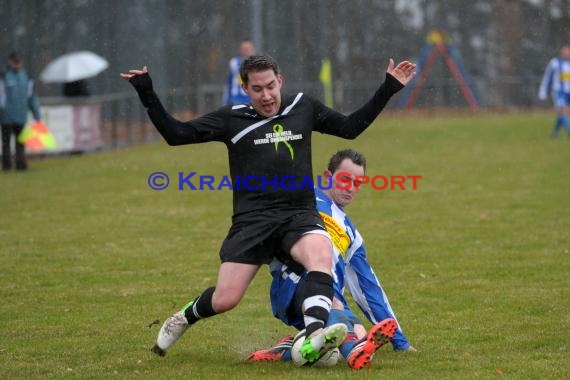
(270, 158)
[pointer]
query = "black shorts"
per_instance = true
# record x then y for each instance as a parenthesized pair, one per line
(258, 237)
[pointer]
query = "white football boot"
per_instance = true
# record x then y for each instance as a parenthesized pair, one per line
(172, 329)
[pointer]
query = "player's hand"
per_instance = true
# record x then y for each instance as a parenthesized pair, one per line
(143, 84)
(404, 72)
(132, 73)
(139, 79)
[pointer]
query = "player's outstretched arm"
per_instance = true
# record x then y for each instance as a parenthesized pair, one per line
(141, 81)
(404, 72)
(174, 132)
(349, 127)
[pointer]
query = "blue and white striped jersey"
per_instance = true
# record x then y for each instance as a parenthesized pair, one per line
(233, 92)
(350, 270)
(556, 79)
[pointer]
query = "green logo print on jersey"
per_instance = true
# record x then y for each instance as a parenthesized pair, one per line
(278, 130)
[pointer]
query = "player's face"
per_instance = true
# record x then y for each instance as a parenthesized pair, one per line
(264, 89)
(14, 65)
(345, 185)
(246, 49)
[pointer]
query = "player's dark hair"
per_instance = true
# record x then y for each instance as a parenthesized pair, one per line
(257, 63)
(354, 156)
(15, 57)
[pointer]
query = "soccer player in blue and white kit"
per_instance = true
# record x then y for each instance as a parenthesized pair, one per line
(556, 80)
(233, 91)
(350, 269)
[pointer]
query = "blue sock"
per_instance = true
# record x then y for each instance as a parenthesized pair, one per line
(557, 126)
(565, 122)
(349, 342)
(338, 316)
(286, 356)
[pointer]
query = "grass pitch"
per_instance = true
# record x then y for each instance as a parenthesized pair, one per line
(475, 262)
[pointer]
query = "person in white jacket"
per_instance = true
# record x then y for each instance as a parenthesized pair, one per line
(556, 81)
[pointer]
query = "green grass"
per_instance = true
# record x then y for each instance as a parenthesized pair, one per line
(476, 262)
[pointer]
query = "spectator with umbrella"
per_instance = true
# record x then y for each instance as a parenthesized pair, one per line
(72, 70)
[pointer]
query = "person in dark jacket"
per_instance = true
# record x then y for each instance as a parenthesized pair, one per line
(17, 96)
(76, 88)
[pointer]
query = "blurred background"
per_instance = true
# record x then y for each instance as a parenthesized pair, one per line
(501, 46)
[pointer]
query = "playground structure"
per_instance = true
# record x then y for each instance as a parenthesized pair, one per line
(437, 43)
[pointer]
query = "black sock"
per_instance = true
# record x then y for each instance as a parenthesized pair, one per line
(201, 307)
(318, 300)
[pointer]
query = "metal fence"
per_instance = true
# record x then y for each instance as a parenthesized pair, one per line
(124, 121)
(189, 43)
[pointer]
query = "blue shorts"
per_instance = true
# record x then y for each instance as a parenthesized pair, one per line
(561, 100)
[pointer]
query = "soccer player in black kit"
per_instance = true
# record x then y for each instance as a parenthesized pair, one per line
(274, 211)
